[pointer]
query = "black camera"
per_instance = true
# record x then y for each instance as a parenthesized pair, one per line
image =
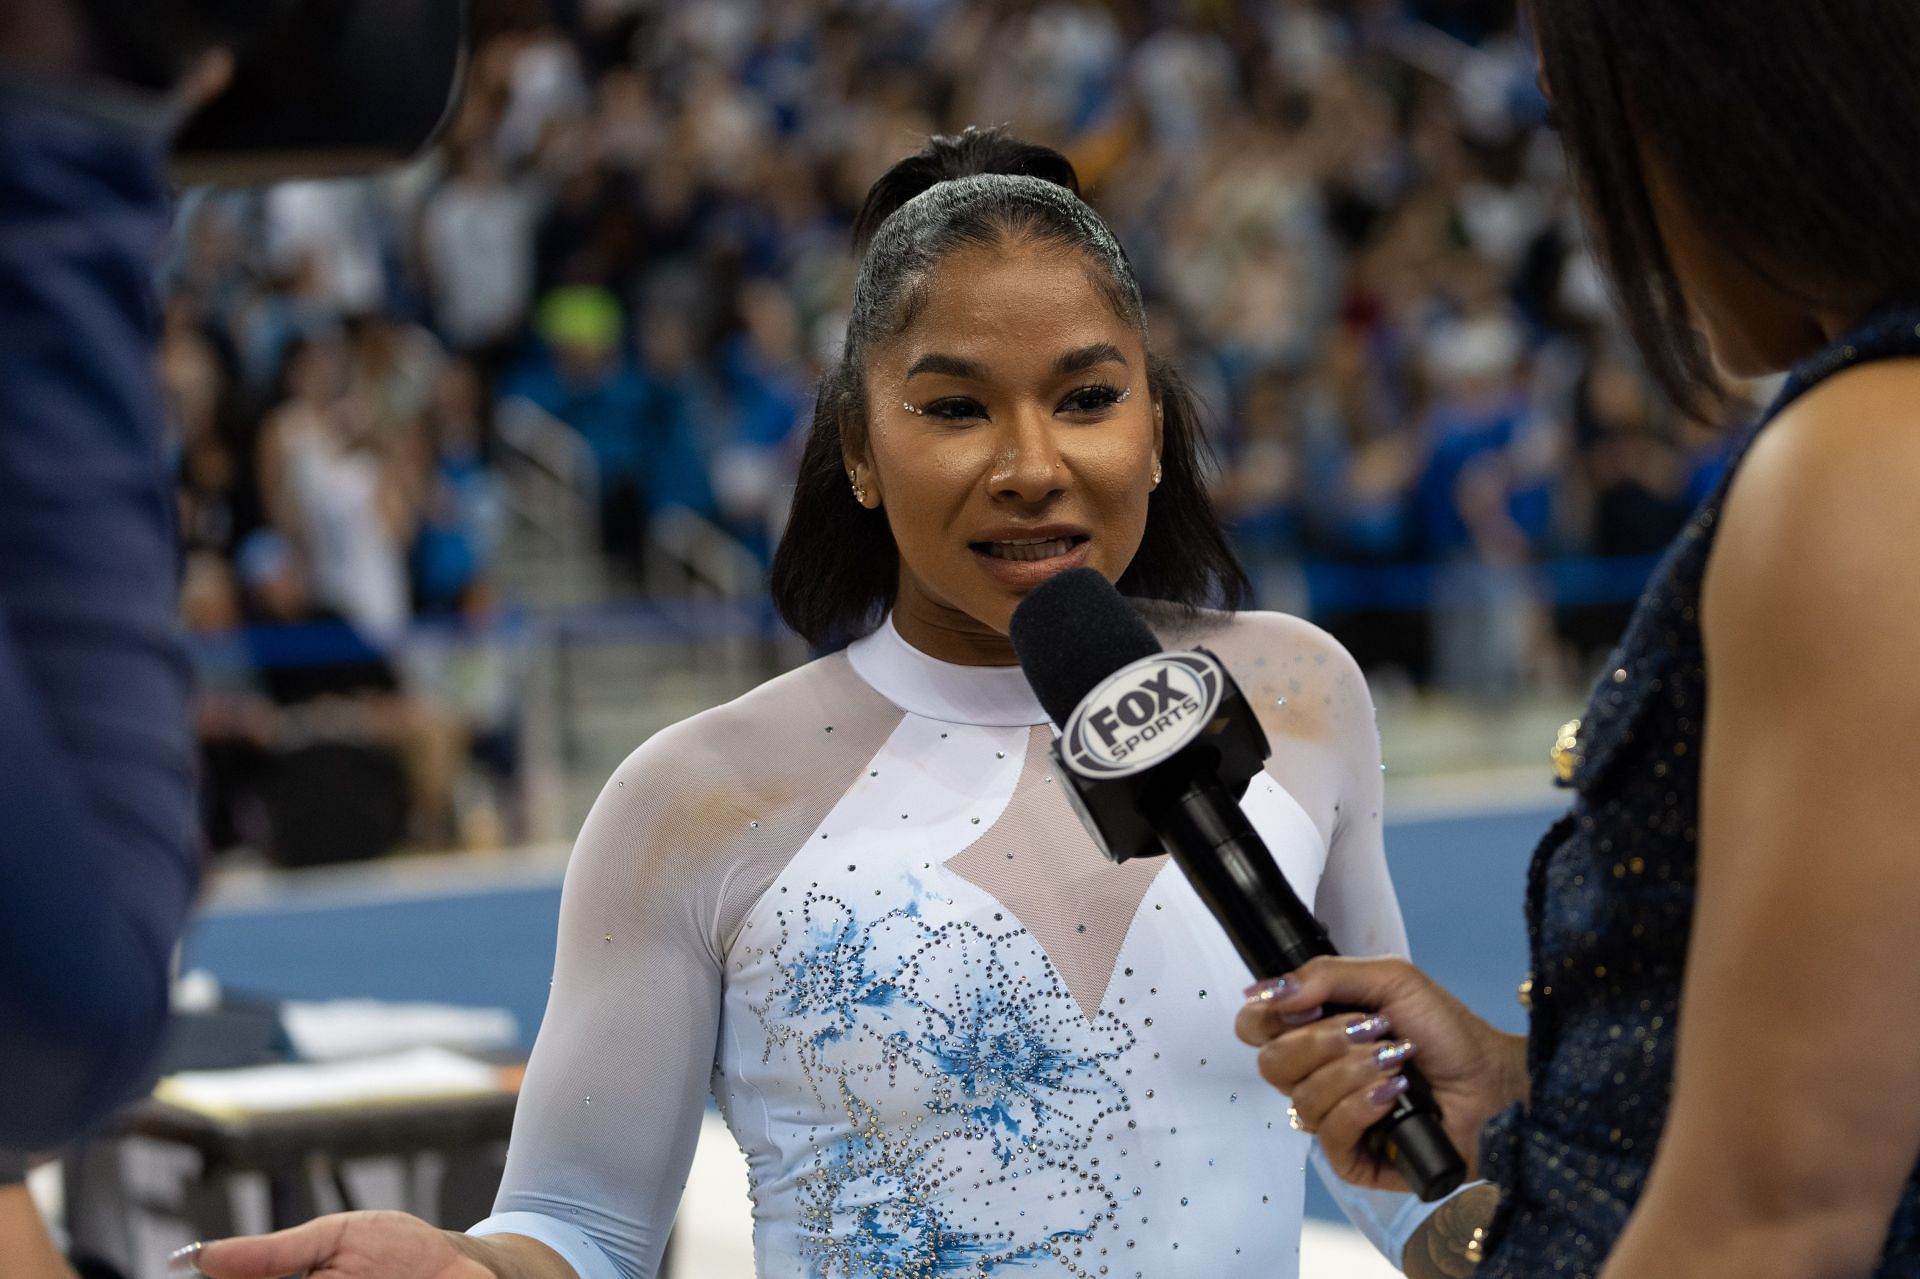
(320, 87)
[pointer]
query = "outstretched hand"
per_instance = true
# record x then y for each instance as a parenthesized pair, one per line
(348, 1245)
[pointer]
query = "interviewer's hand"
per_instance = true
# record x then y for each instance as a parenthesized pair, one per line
(1331, 1067)
(347, 1245)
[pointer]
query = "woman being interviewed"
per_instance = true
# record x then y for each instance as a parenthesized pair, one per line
(951, 1038)
(1722, 1075)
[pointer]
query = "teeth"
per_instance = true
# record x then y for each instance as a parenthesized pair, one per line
(1030, 549)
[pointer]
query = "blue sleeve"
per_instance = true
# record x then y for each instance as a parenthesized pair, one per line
(98, 861)
(1387, 1218)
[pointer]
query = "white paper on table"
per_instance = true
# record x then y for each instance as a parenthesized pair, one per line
(420, 1074)
(338, 1028)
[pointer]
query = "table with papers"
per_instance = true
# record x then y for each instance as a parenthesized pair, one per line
(296, 1125)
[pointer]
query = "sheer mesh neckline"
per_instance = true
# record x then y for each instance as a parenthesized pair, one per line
(989, 696)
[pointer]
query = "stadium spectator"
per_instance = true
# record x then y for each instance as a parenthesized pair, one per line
(1351, 227)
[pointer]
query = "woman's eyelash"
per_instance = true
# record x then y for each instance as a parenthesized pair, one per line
(1099, 396)
(1088, 399)
(950, 409)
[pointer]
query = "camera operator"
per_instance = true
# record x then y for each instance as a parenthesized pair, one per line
(98, 857)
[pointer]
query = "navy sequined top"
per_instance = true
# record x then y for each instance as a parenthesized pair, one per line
(1609, 912)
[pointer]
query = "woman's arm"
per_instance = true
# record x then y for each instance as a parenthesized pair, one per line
(23, 1238)
(610, 1110)
(1796, 1112)
(1319, 718)
(1358, 904)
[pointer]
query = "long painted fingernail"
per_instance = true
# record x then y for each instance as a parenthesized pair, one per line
(185, 1263)
(1383, 1094)
(1271, 988)
(1368, 1029)
(1308, 1017)
(1390, 1056)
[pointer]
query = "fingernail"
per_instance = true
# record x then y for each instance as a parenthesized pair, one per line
(1390, 1056)
(1383, 1094)
(1308, 1017)
(184, 1263)
(1368, 1029)
(1271, 988)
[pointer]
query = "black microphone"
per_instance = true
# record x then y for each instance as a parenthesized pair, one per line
(1156, 749)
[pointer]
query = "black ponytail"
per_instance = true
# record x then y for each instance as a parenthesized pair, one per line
(950, 157)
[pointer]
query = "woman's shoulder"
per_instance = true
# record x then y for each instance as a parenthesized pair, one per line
(1301, 681)
(698, 821)
(782, 740)
(1255, 636)
(1820, 520)
(1842, 454)
(1877, 402)
(1869, 397)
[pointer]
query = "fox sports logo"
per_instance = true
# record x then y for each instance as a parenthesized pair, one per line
(1141, 714)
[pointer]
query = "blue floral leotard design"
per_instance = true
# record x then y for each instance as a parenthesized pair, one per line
(949, 1036)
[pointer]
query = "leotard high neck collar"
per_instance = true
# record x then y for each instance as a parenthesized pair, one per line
(989, 696)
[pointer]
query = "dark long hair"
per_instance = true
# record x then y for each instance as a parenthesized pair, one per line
(837, 569)
(1788, 129)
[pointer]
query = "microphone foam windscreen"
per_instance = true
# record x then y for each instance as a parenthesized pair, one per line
(1071, 632)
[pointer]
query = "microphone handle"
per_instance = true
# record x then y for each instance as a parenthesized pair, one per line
(1209, 837)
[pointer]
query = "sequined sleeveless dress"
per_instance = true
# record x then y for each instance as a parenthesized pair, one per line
(1609, 910)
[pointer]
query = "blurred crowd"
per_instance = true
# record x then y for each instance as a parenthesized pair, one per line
(1349, 217)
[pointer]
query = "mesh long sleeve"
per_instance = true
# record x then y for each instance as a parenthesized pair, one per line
(1362, 912)
(1357, 901)
(610, 1110)
(1313, 701)
(684, 838)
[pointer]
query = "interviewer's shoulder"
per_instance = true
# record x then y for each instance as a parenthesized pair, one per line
(1848, 426)
(1822, 520)
(1840, 461)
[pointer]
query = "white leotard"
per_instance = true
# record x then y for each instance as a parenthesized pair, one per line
(951, 1038)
